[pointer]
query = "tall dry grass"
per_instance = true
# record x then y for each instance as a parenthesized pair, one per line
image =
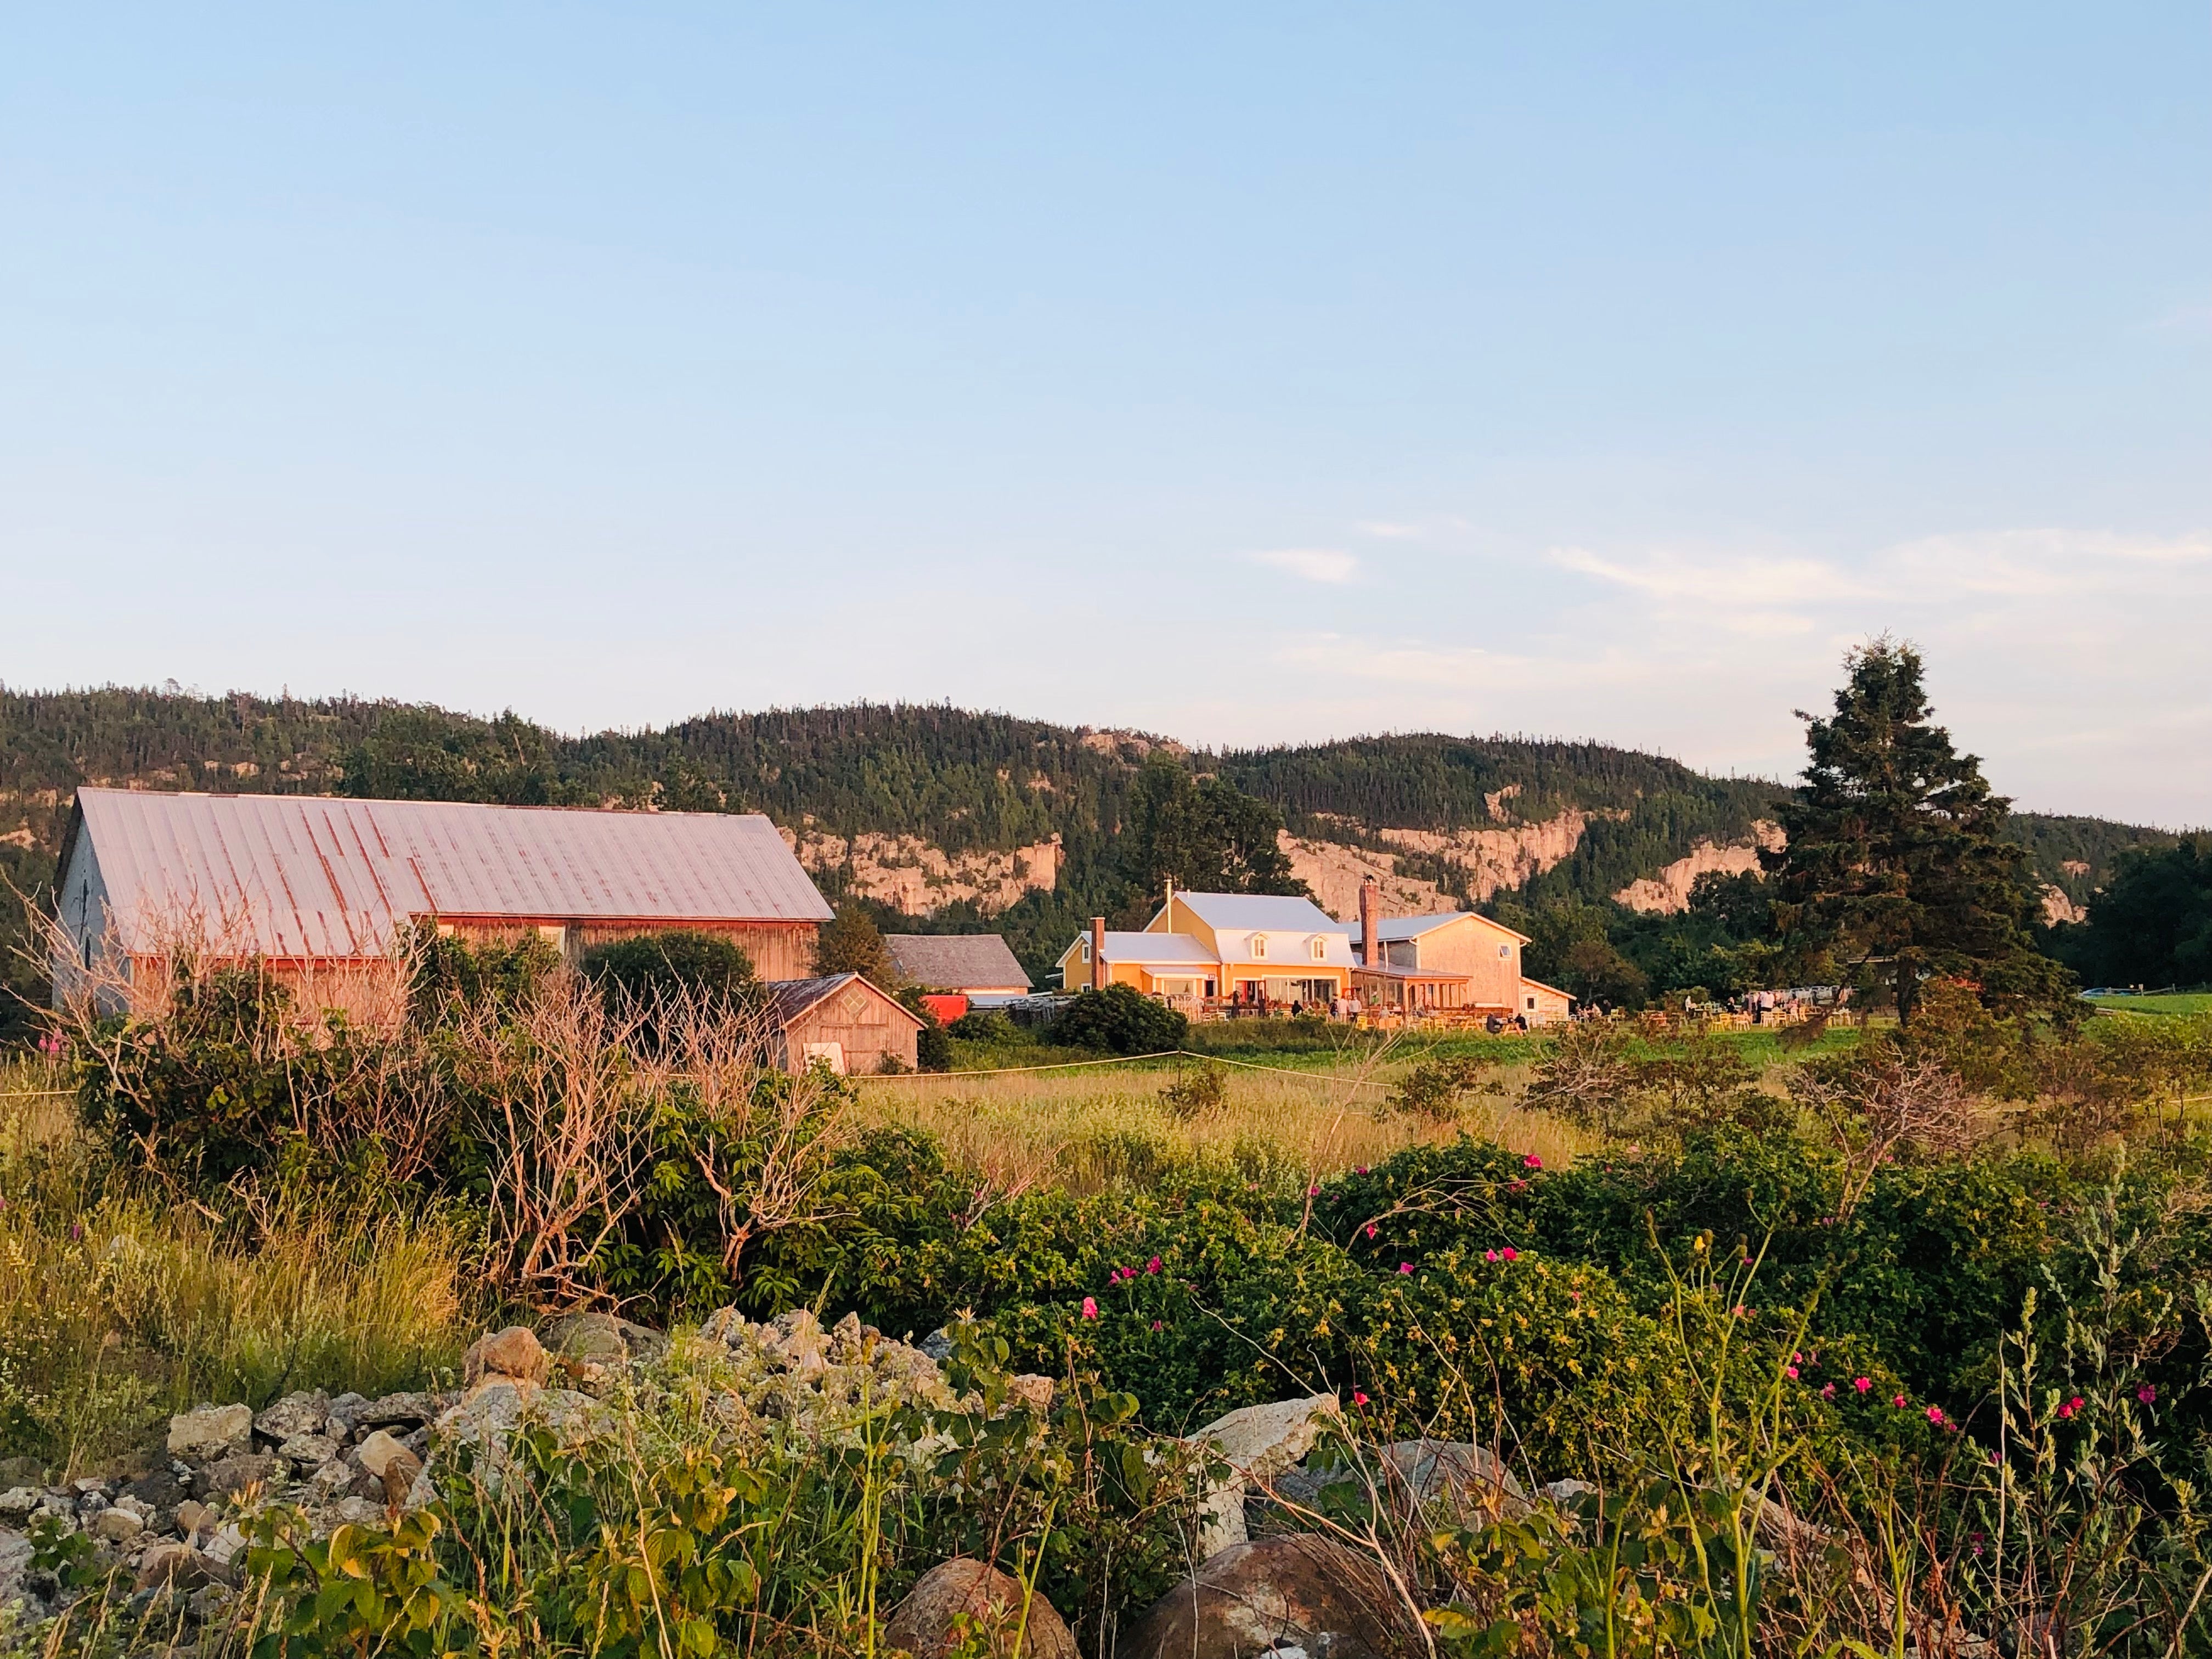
(1092, 1130)
(118, 1307)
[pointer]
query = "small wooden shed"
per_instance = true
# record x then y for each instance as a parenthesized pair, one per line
(845, 1022)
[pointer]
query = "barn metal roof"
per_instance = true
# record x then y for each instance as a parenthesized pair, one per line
(316, 876)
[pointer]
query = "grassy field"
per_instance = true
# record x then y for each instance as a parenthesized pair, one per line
(1313, 1109)
(2183, 1003)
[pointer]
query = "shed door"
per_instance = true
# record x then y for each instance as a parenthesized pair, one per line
(833, 1053)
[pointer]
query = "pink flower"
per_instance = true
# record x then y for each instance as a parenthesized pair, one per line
(1154, 1265)
(1936, 1414)
(2071, 1406)
(1863, 1384)
(1404, 1267)
(2146, 1393)
(1532, 1162)
(1158, 1326)
(1313, 1192)
(1358, 1398)
(1827, 1391)
(1510, 1254)
(1740, 1311)
(1089, 1307)
(1898, 1402)
(1490, 1256)
(1370, 1230)
(1790, 1371)
(1362, 1170)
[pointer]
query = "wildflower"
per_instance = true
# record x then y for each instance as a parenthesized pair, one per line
(2147, 1394)
(1740, 1312)
(1827, 1391)
(1898, 1402)
(1532, 1162)
(1790, 1371)
(1158, 1326)
(1863, 1384)
(1404, 1267)
(1490, 1256)
(1358, 1398)
(1370, 1230)
(1935, 1415)
(1510, 1254)
(1362, 1170)
(2071, 1406)
(1091, 1307)
(76, 1229)
(1154, 1265)
(1313, 1191)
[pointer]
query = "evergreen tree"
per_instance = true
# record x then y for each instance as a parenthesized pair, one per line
(1896, 865)
(1206, 836)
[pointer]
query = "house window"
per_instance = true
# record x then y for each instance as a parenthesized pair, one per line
(1503, 951)
(1320, 948)
(1087, 949)
(1259, 947)
(1532, 1004)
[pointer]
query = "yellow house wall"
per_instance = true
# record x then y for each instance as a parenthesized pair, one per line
(1469, 946)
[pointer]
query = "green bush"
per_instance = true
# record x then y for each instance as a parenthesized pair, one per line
(681, 962)
(1119, 1020)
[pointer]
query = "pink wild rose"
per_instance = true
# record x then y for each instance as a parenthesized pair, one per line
(1404, 1267)
(1091, 1307)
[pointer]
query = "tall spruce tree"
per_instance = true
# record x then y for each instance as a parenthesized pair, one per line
(1895, 867)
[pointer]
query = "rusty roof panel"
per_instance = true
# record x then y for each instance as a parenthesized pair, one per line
(296, 876)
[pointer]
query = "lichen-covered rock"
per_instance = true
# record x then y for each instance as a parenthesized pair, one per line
(115, 1526)
(308, 1451)
(1277, 1595)
(210, 1432)
(396, 1411)
(602, 1339)
(293, 1415)
(376, 1452)
(817, 1383)
(923, 1624)
(514, 1353)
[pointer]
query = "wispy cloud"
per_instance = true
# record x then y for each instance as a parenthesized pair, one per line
(1313, 564)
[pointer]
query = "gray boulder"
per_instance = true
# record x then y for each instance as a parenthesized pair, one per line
(210, 1432)
(923, 1624)
(409, 1411)
(227, 1477)
(1276, 1596)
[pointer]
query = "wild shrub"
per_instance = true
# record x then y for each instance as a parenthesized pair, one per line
(1196, 1090)
(1434, 1089)
(681, 962)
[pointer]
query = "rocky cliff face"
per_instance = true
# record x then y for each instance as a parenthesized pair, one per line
(1668, 892)
(916, 877)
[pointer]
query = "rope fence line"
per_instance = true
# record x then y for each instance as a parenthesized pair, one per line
(1124, 1059)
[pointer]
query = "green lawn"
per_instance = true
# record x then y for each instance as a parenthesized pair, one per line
(2177, 1002)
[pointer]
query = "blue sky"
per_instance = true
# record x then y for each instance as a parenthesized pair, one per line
(1247, 374)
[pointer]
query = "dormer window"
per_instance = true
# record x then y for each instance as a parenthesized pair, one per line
(1259, 947)
(1087, 949)
(1320, 948)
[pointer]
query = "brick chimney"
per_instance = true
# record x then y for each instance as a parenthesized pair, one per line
(1370, 946)
(1098, 953)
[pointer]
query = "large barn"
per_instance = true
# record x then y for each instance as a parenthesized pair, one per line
(317, 888)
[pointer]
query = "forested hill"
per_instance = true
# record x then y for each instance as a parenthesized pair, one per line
(936, 810)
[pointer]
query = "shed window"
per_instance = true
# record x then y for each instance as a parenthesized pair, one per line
(1532, 1004)
(1503, 951)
